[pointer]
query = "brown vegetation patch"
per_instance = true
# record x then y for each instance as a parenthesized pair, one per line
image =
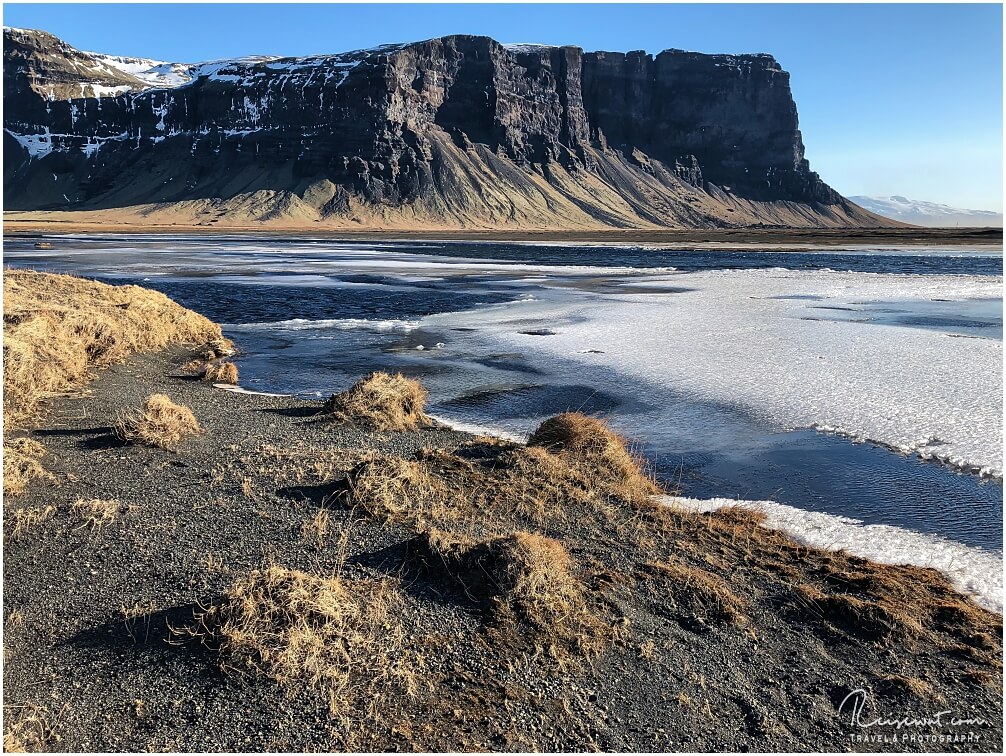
(516, 484)
(160, 423)
(57, 328)
(898, 603)
(28, 730)
(391, 488)
(300, 629)
(19, 521)
(225, 372)
(587, 443)
(96, 513)
(835, 593)
(526, 581)
(380, 401)
(21, 464)
(894, 685)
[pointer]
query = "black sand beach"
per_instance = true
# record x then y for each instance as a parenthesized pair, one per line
(705, 632)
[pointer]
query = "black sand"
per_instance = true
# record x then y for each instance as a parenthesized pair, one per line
(236, 498)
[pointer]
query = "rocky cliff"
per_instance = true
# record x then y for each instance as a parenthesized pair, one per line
(450, 132)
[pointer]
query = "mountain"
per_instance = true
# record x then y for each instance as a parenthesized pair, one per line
(455, 132)
(920, 213)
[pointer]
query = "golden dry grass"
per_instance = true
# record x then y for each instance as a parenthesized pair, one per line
(588, 444)
(315, 530)
(225, 372)
(697, 591)
(839, 594)
(532, 484)
(160, 423)
(21, 464)
(391, 488)
(96, 513)
(527, 581)
(300, 629)
(28, 730)
(19, 521)
(380, 401)
(57, 328)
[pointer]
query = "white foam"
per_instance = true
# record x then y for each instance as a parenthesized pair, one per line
(974, 571)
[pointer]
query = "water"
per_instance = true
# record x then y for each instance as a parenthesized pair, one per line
(311, 316)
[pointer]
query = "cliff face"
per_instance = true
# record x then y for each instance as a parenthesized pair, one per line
(448, 132)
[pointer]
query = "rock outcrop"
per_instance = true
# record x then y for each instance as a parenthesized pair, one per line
(459, 131)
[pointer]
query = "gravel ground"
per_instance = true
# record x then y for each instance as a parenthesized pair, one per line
(236, 499)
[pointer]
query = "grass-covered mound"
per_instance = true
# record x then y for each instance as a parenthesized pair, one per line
(160, 422)
(380, 401)
(307, 630)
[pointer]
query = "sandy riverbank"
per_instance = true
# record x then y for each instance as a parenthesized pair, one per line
(777, 238)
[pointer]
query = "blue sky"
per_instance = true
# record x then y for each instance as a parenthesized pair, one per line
(893, 99)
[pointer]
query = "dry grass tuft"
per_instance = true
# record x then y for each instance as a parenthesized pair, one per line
(589, 445)
(21, 520)
(57, 328)
(380, 401)
(897, 604)
(225, 372)
(21, 464)
(391, 488)
(30, 733)
(525, 580)
(300, 629)
(216, 348)
(316, 529)
(96, 513)
(696, 591)
(161, 423)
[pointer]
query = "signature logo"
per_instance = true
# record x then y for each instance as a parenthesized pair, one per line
(855, 705)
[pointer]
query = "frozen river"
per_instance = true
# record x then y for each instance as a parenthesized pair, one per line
(864, 386)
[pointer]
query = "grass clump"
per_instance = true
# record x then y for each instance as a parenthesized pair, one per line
(391, 488)
(21, 464)
(96, 513)
(160, 423)
(31, 732)
(526, 581)
(380, 401)
(225, 372)
(590, 446)
(300, 629)
(19, 521)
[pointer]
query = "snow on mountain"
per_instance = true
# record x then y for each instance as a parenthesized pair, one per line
(156, 73)
(922, 213)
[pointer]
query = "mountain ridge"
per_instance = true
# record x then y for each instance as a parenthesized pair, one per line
(453, 132)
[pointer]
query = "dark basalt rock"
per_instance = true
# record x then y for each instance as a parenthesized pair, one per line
(429, 124)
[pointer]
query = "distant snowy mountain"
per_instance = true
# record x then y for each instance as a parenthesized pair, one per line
(920, 213)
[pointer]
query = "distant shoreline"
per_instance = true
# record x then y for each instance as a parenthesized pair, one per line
(782, 238)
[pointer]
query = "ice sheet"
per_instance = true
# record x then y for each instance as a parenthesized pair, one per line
(736, 339)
